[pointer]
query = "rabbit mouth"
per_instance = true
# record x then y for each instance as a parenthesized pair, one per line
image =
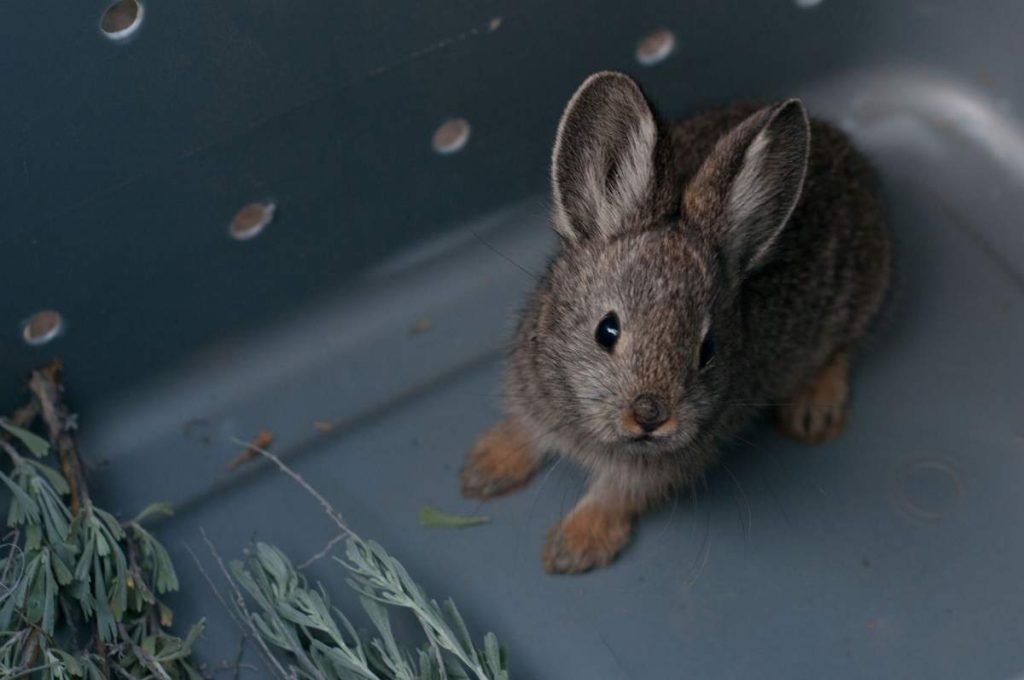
(648, 439)
(645, 446)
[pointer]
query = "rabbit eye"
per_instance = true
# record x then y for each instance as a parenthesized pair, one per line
(607, 333)
(707, 349)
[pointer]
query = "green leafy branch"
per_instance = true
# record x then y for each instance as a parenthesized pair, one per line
(301, 636)
(71, 570)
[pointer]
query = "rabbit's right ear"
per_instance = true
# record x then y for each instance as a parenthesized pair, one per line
(603, 169)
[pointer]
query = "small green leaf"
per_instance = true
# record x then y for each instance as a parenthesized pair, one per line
(102, 547)
(92, 670)
(61, 571)
(27, 508)
(71, 664)
(438, 519)
(464, 638)
(194, 632)
(56, 479)
(33, 442)
(164, 509)
(494, 653)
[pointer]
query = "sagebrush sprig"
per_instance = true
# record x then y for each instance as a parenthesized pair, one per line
(380, 577)
(320, 642)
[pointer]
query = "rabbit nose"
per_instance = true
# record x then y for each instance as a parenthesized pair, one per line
(650, 412)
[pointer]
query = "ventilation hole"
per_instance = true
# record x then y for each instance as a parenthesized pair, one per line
(807, 4)
(251, 220)
(122, 19)
(655, 47)
(42, 327)
(452, 136)
(929, 489)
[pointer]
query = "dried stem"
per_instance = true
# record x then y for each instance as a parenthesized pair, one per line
(247, 625)
(325, 551)
(45, 385)
(144, 658)
(12, 540)
(28, 672)
(48, 390)
(327, 507)
(11, 451)
(31, 649)
(103, 653)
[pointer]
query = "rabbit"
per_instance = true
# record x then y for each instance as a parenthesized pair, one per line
(705, 269)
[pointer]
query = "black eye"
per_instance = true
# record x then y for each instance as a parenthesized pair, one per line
(707, 349)
(607, 333)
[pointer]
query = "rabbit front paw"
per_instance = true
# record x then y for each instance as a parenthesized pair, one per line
(817, 413)
(591, 536)
(503, 460)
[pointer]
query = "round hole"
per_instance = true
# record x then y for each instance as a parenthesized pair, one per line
(122, 19)
(807, 4)
(42, 327)
(452, 136)
(251, 220)
(655, 47)
(929, 489)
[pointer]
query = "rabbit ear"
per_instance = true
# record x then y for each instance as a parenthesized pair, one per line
(602, 169)
(751, 182)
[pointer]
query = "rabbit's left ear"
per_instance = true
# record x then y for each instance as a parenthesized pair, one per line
(750, 183)
(603, 168)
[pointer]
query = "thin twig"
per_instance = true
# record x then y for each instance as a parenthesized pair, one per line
(28, 671)
(238, 657)
(122, 671)
(325, 551)
(243, 625)
(144, 658)
(31, 649)
(16, 458)
(228, 667)
(209, 581)
(243, 610)
(32, 642)
(327, 507)
(14, 535)
(246, 629)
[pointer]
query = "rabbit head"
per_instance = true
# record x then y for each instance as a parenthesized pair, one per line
(636, 337)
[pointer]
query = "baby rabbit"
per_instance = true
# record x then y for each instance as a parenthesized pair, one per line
(706, 268)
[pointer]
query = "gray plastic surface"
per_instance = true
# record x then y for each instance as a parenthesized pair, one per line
(895, 551)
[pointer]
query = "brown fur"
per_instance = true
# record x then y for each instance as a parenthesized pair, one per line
(817, 411)
(591, 536)
(751, 230)
(502, 461)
